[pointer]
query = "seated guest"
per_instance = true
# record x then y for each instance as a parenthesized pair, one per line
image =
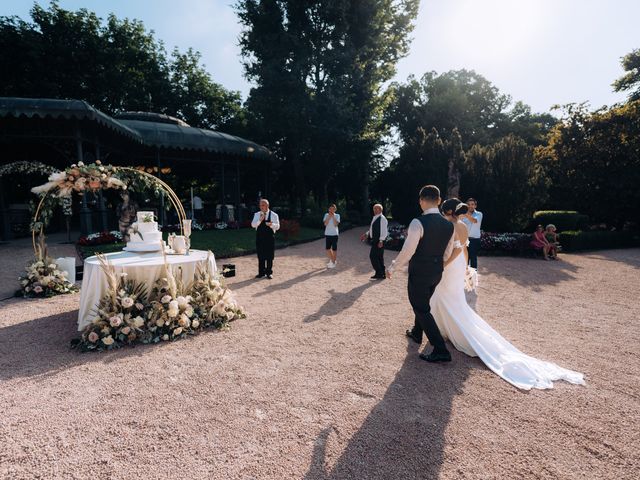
(553, 238)
(540, 242)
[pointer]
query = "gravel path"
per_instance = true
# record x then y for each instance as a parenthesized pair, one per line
(320, 383)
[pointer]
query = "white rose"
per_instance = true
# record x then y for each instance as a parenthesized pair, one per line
(127, 302)
(115, 321)
(159, 322)
(126, 330)
(177, 331)
(138, 322)
(165, 337)
(195, 324)
(182, 302)
(166, 299)
(108, 340)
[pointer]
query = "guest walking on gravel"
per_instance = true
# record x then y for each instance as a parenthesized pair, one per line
(473, 221)
(331, 221)
(266, 223)
(377, 233)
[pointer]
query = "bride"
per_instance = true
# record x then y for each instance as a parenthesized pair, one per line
(470, 334)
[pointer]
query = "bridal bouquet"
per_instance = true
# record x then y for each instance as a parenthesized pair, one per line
(43, 277)
(471, 279)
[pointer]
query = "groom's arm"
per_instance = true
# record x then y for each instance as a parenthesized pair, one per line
(414, 234)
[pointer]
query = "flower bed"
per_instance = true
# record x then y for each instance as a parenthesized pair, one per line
(101, 238)
(506, 244)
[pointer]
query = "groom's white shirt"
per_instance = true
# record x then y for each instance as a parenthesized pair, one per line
(414, 234)
(275, 220)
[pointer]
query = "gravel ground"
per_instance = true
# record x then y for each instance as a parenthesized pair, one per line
(320, 383)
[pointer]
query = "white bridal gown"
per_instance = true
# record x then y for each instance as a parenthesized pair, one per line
(470, 334)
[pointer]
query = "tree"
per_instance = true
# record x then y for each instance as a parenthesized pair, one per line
(115, 66)
(593, 162)
(318, 67)
(630, 81)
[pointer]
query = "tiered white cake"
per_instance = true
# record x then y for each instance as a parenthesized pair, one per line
(144, 235)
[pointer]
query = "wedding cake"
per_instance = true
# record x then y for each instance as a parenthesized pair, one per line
(144, 234)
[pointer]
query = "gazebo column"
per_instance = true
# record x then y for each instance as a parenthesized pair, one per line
(85, 212)
(102, 209)
(163, 213)
(238, 199)
(6, 218)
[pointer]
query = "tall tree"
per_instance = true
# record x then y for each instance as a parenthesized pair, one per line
(319, 67)
(630, 81)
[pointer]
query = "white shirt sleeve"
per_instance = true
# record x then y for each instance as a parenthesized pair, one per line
(275, 222)
(414, 234)
(479, 218)
(255, 223)
(384, 228)
(336, 219)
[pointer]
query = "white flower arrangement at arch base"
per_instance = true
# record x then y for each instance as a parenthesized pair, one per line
(172, 311)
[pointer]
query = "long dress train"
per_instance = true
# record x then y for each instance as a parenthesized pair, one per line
(470, 334)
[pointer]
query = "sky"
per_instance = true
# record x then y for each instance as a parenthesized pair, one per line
(543, 52)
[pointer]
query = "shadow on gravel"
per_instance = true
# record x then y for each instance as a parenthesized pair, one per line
(404, 435)
(339, 302)
(532, 273)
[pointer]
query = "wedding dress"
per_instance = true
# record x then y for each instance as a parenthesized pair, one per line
(470, 334)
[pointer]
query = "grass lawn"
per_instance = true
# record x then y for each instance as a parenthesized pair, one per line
(224, 243)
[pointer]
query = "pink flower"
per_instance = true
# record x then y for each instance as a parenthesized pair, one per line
(115, 321)
(38, 289)
(93, 337)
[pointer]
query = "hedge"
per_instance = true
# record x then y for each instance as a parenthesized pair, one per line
(564, 220)
(573, 241)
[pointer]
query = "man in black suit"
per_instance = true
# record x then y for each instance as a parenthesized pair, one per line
(428, 244)
(377, 233)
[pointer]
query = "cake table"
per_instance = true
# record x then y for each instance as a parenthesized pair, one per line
(143, 267)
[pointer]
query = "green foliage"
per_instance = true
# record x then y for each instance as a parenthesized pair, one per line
(630, 81)
(563, 220)
(319, 68)
(115, 65)
(593, 162)
(573, 241)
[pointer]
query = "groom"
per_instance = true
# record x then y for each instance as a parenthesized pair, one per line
(428, 244)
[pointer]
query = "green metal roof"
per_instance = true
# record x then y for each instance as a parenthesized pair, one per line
(68, 109)
(152, 129)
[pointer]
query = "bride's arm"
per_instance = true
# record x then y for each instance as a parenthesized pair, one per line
(463, 235)
(456, 252)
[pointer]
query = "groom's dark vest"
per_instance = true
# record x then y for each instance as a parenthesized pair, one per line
(427, 259)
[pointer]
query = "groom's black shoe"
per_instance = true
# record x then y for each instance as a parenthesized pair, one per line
(410, 334)
(260, 275)
(436, 357)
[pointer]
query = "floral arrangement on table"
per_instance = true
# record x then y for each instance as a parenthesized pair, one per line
(126, 315)
(100, 238)
(43, 277)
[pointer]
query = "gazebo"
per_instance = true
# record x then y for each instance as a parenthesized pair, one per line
(60, 132)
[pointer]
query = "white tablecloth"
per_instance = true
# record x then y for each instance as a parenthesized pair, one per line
(143, 267)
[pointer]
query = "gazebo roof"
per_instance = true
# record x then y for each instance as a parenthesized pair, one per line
(68, 109)
(152, 129)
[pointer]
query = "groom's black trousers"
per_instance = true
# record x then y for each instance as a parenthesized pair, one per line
(421, 288)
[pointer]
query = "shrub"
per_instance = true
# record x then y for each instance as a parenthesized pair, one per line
(573, 241)
(564, 220)
(506, 243)
(289, 229)
(354, 217)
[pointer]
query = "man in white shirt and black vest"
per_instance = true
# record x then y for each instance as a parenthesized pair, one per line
(378, 232)
(266, 223)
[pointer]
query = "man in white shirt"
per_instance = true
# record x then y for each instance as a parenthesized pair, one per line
(429, 243)
(473, 221)
(266, 223)
(378, 232)
(331, 221)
